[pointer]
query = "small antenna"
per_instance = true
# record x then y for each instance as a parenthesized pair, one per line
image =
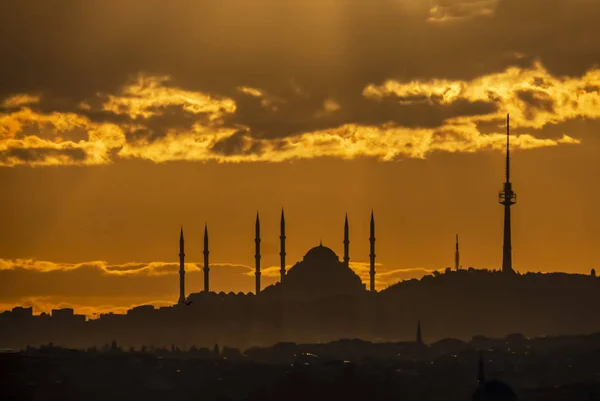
(508, 148)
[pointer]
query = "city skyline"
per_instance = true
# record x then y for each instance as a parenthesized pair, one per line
(322, 108)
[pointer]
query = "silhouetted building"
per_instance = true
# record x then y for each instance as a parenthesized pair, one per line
(67, 316)
(419, 334)
(21, 312)
(372, 254)
(181, 268)
(282, 246)
(507, 198)
(206, 265)
(257, 253)
(320, 274)
(62, 313)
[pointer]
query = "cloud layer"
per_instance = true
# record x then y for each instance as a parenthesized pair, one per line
(261, 82)
(153, 120)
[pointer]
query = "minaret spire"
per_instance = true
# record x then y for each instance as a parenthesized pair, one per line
(181, 268)
(346, 242)
(507, 198)
(206, 265)
(282, 246)
(456, 255)
(372, 254)
(419, 336)
(257, 253)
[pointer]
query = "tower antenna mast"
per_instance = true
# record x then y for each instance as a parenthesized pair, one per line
(507, 197)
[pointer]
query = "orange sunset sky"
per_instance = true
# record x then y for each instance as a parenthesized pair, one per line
(121, 121)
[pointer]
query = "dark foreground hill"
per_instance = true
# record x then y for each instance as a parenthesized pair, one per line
(459, 303)
(454, 304)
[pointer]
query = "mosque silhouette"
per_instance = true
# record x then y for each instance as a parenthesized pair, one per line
(321, 273)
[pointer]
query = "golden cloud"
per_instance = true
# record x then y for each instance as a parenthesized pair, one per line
(35, 139)
(251, 91)
(149, 95)
(19, 100)
(271, 271)
(348, 141)
(453, 10)
(149, 269)
(131, 268)
(266, 101)
(533, 97)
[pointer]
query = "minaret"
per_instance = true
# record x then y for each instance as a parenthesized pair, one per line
(456, 255)
(181, 269)
(282, 246)
(507, 198)
(372, 254)
(419, 336)
(206, 266)
(257, 254)
(346, 243)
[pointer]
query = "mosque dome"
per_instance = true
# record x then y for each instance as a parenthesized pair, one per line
(321, 274)
(321, 254)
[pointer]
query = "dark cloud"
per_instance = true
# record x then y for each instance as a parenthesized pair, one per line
(33, 155)
(425, 114)
(240, 143)
(220, 47)
(291, 115)
(171, 118)
(535, 101)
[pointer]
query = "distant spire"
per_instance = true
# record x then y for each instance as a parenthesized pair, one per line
(456, 255)
(372, 254)
(206, 264)
(282, 246)
(181, 268)
(346, 242)
(257, 225)
(508, 148)
(481, 373)
(419, 336)
(257, 254)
